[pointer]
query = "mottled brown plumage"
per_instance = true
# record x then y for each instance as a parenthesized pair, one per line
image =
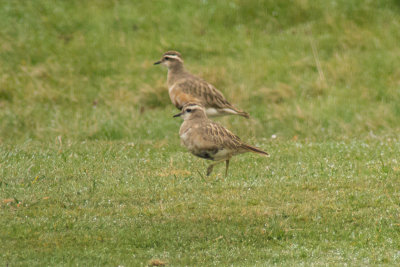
(184, 87)
(209, 140)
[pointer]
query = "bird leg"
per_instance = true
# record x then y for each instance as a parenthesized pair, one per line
(227, 166)
(210, 169)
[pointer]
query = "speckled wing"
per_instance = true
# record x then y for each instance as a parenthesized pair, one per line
(205, 92)
(221, 137)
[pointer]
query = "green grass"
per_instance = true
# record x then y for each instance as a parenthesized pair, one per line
(91, 169)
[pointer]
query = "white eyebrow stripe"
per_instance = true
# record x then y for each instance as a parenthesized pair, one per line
(173, 56)
(193, 106)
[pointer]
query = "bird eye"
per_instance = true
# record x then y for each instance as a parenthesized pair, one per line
(167, 58)
(189, 110)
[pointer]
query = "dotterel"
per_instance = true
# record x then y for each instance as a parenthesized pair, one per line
(209, 140)
(184, 87)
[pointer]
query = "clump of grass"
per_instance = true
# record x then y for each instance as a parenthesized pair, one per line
(157, 262)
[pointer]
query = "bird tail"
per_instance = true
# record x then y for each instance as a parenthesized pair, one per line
(232, 110)
(244, 114)
(255, 150)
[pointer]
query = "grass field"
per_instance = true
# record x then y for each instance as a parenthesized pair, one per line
(91, 168)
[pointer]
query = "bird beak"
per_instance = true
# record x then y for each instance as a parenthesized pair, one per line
(177, 115)
(156, 63)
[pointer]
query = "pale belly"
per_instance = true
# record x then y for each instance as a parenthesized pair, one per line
(223, 154)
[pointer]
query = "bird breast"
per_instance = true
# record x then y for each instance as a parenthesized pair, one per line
(185, 135)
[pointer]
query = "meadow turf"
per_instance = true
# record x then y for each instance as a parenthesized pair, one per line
(91, 168)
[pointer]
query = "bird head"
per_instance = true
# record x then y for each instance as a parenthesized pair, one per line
(170, 59)
(191, 111)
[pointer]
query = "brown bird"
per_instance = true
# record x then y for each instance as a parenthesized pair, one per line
(209, 140)
(184, 87)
